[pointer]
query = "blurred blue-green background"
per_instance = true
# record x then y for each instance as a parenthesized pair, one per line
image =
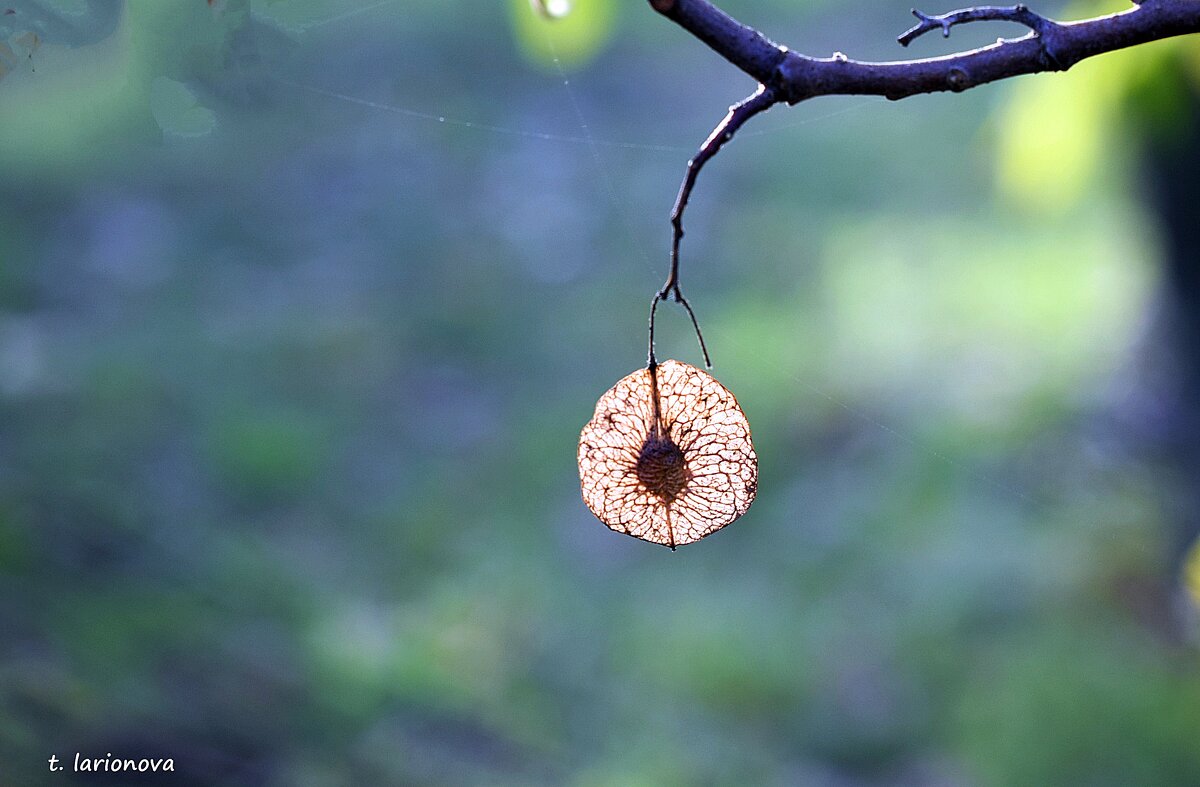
(304, 302)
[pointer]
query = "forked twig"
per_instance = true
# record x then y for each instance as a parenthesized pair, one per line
(790, 77)
(987, 13)
(763, 99)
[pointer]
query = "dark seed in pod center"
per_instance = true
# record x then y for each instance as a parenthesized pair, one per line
(661, 468)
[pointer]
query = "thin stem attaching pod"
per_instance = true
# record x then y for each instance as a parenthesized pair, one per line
(764, 98)
(787, 76)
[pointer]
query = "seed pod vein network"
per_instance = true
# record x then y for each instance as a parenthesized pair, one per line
(667, 456)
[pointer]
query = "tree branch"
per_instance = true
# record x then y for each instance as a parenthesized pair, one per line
(987, 13)
(1052, 46)
(741, 45)
(786, 76)
(762, 100)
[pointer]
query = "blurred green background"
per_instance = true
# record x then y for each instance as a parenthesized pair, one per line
(304, 302)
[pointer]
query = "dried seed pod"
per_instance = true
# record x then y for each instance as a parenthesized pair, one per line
(667, 457)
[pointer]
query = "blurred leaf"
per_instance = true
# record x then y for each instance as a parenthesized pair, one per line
(23, 45)
(1060, 134)
(97, 81)
(1014, 317)
(1191, 573)
(188, 41)
(69, 23)
(1055, 133)
(76, 93)
(177, 111)
(572, 38)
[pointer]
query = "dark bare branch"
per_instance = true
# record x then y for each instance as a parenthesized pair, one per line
(986, 13)
(784, 75)
(741, 45)
(1054, 46)
(762, 100)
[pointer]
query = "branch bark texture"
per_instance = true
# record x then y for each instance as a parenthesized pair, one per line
(1050, 46)
(786, 76)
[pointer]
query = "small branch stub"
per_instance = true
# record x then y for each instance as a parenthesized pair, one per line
(1017, 13)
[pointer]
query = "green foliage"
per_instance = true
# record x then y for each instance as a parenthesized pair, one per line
(291, 373)
(1191, 573)
(571, 39)
(268, 454)
(1052, 711)
(1064, 135)
(75, 97)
